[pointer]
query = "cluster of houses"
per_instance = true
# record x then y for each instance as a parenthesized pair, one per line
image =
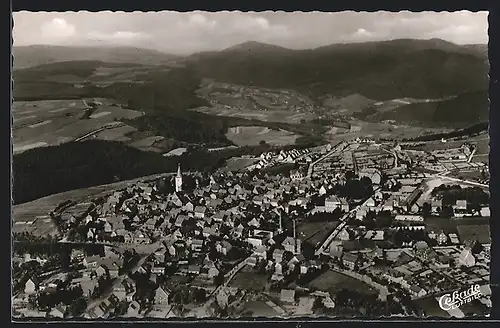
(254, 212)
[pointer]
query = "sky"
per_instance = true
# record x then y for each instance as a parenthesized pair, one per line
(185, 33)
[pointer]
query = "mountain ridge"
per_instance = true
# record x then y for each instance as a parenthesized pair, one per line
(35, 55)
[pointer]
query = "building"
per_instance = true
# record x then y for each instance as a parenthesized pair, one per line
(287, 296)
(278, 255)
(442, 238)
(133, 309)
(31, 286)
(161, 296)
(461, 205)
(409, 218)
(349, 260)
(412, 198)
(373, 174)
(466, 258)
(178, 179)
(199, 212)
(296, 175)
(417, 291)
(332, 203)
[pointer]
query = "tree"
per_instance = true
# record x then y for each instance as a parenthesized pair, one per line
(78, 307)
(426, 209)
(262, 143)
(447, 211)
(219, 279)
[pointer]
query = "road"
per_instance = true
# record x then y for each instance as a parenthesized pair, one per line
(471, 155)
(330, 153)
(464, 181)
(321, 249)
(230, 275)
(112, 125)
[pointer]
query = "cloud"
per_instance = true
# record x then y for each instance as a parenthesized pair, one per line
(118, 36)
(362, 33)
(201, 21)
(58, 29)
(251, 22)
(188, 32)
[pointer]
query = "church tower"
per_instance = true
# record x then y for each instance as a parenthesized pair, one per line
(178, 179)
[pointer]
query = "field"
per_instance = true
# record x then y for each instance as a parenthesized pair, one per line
(385, 130)
(239, 163)
(258, 309)
(253, 135)
(431, 307)
(316, 232)
(480, 233)
(261, 115)
(249, 280)
(52, 122)
(333, 281)
(466, 228)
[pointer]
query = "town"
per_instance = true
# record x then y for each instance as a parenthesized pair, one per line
(355, 228)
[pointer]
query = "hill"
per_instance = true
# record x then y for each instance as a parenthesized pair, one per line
(461, 111)
(45, 171)
(376, 70)
(29, 56)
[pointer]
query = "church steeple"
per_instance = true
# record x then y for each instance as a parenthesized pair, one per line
(178, 179)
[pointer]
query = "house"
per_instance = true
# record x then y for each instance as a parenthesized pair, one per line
(158, 270)
(287, 296)
(373, 174)
(344, 205)
(417, 291)
(58, 311)
(332, 203)
(278, 255)
(119, 291)
(461, 204)
(257, 241)
(261, 252)
(133, 309)
(222, 297)
(436, 205)
(252, 261)
(289, 244)
(485, 212)
(370, 202)
(77, 255)
(349, 260)
(466, 258)
(161, 296)
(31, 286)
(344, 235)
(409, 218)
(189, 207)
(224, 247)
(296, 175)
(199, 212)
(197, 245)
(100, 271)
(442, 238)
(91, 261)
(328, 302)
(361, 213)
(415, 208)
(454, 238)
(213, 272)
(193, 269)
